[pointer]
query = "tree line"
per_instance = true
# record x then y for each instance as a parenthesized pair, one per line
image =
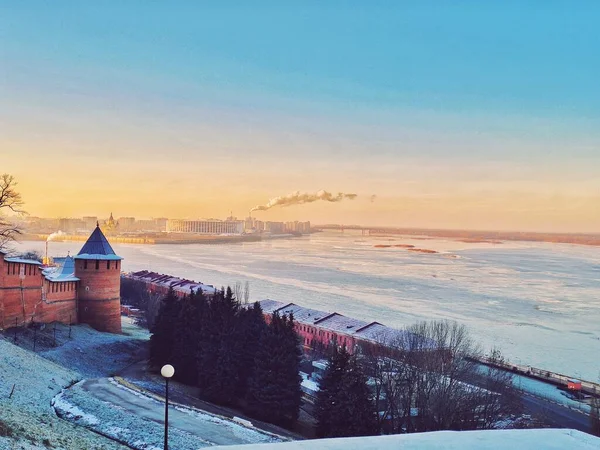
(230, 353)
(424, 379)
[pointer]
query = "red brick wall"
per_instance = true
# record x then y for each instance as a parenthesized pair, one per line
(20, 296)
(310, 335)
(99, 294)
(21, 299)
(61, 302)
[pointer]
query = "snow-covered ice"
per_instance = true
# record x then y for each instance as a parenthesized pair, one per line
(537, 302)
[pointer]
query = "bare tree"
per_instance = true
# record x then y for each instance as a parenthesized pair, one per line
(427, 378)
(152, 308)
(246, 292)
(242, 294)
(138, 294)
(10, 201)
(238, 292)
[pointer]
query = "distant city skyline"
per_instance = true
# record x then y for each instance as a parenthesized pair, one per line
(471, 116)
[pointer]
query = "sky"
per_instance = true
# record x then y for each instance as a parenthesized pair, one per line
(465, 114)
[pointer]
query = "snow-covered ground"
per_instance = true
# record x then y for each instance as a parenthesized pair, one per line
(95, 354)
(545, 439)
(73, 379)
(114, 410)
(28, 413)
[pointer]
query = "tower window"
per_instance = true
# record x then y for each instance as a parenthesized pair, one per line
(85, 264)
(97, 264)
(107, 265)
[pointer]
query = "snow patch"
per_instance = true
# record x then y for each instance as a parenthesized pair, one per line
(69, 411)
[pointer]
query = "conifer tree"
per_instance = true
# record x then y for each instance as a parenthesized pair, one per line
(326, 406)
(186, 338)
(253, 325)
(209, 335)
(344, 406)
(356, 403)
(274, 388)
(163, 331)
(225, 367)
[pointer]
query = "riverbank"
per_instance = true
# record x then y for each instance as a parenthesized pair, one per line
(165, 238)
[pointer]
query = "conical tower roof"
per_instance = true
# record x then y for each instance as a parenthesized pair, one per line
(97, 247)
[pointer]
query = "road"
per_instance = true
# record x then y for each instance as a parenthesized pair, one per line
(555, 415)
(208, 428)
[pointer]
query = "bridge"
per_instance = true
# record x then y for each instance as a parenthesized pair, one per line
(365, 230)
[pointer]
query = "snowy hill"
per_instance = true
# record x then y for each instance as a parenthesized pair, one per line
(542, 439)
(27, 417)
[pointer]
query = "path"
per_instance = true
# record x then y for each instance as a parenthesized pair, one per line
(208, 428)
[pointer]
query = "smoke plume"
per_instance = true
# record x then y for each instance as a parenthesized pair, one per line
(297, 198)
(54, 236)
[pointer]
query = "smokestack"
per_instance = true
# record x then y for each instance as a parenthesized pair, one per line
(297, 198)
(51, 237)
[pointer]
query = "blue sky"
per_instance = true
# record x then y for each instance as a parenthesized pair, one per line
(490, 89)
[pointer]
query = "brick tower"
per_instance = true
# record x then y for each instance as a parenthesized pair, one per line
(99, 296)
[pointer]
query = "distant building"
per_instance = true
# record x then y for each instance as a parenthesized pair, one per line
(211, 226)
(158, 283)
(323, 328)
(90, 222)
(161, 223)
(274, 227)
(297, 227)
(126, 223)
(110, 226)
(69, 225)
(249, 224)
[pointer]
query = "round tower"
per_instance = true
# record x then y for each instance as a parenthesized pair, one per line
(99, 294)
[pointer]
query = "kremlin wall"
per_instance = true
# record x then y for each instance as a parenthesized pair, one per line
(80, 289)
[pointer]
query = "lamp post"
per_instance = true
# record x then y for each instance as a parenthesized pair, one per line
(167, 372)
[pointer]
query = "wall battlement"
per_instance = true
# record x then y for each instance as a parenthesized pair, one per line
(83, 289)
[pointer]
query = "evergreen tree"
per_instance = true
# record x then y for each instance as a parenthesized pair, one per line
(253, 325)
(186, 338)
(274, 388)
(344, 406)
(163, 332)
(224, 375)
(291, 374)
(356, 403)
(326, 405)
(209, 335)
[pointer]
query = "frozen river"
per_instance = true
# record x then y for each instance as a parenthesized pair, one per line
(538, 302)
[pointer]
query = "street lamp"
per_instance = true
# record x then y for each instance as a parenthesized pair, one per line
(167, 372)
